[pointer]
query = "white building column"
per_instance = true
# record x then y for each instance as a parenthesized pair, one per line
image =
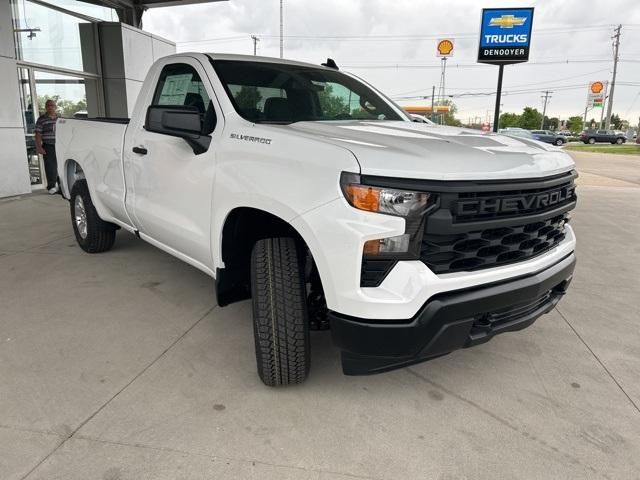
(14, 171)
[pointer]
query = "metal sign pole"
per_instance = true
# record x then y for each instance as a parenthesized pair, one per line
(496, 115)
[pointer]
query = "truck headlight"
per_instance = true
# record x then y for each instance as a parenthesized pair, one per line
(411, 205)
(391, 201)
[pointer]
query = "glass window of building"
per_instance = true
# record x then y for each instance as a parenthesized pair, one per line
(50, 37)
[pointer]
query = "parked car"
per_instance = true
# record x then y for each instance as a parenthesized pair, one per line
(602, 136)
(408, 240)
(421, 119)
(547, 136)
(518, 132)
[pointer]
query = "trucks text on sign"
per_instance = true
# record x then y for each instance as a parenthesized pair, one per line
(505, 35)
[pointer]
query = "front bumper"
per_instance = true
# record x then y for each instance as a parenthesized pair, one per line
(449, 321)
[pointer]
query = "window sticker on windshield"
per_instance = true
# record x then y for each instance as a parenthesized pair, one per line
(175, 89)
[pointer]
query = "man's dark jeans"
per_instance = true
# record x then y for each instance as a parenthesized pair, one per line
(50, 164)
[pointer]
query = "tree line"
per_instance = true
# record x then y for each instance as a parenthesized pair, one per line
(531, 119)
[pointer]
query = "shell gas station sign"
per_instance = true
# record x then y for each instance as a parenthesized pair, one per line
(445, 47)
(597, 92)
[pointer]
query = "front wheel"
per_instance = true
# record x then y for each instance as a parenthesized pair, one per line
(93, 234)
(619, 141)
(280, 321)
(591, 141)
(559, 142)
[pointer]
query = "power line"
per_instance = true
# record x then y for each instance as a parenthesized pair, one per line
(215, 40)
(510, 92)
(546, 82)
(471, 65)
(537, 31)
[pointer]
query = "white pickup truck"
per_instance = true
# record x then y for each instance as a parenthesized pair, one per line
(309, 191)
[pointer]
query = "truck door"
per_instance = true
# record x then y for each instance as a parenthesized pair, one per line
(169, 188)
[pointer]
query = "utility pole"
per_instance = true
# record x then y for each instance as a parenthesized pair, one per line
(616, 47)
(255, 44)
(433, 95)
(281, 30)
(546, 97)
(604, 99)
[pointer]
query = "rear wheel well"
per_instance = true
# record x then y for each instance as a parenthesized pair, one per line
(73, 172)
(242, 229)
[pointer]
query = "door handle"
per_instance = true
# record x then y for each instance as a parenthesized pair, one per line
(140, 150)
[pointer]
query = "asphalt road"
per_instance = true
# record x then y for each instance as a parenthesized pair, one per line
(120, 366)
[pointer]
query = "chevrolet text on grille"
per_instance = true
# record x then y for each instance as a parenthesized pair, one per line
(516, 203)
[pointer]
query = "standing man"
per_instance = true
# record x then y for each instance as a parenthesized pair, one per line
(46, 144)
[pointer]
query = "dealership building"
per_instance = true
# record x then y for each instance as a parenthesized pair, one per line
(91, 56)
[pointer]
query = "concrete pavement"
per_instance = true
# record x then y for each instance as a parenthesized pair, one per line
(120, 366)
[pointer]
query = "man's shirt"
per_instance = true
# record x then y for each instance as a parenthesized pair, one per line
(46, 126)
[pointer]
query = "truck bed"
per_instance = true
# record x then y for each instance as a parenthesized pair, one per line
(96, 144)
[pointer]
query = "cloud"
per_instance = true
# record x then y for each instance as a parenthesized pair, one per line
(575, 30)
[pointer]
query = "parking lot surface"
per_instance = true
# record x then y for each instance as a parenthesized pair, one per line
(121, 366)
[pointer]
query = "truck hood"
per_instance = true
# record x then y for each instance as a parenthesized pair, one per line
(416, 150)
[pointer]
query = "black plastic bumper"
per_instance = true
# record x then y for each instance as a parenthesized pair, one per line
(448, 322)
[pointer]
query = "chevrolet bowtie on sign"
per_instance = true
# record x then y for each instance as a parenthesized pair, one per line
(445, 48)
(505, 35)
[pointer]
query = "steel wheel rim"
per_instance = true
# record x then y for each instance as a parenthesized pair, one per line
(80, 216)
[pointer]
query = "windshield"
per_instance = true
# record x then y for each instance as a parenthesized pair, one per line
(283, 93)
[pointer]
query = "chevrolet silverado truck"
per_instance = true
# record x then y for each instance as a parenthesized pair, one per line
(309, 191)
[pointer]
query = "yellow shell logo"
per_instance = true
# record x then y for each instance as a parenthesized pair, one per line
(445, 47)
(597, 87)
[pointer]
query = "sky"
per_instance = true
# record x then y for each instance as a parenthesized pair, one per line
(392, 44)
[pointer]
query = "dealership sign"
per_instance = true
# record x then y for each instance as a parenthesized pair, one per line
(505, 35)
(597, 92)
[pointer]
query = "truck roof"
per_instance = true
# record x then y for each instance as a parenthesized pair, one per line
(255, 58)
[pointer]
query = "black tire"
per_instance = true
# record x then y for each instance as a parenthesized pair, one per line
(280, 322)
(559, 142)
(619, 141)
(591, 141)
(100, 235)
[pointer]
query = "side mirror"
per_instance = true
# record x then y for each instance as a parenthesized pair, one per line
(179, 121)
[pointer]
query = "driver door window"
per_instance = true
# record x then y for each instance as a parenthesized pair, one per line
(179, 84)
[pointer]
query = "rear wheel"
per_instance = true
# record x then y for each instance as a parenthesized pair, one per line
(92, 233)
(281, 327)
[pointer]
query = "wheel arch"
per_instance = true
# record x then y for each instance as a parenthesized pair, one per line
(241, 229)
(73, 172)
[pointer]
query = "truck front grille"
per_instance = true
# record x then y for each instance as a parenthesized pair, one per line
(491, 247)
(483, 225)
